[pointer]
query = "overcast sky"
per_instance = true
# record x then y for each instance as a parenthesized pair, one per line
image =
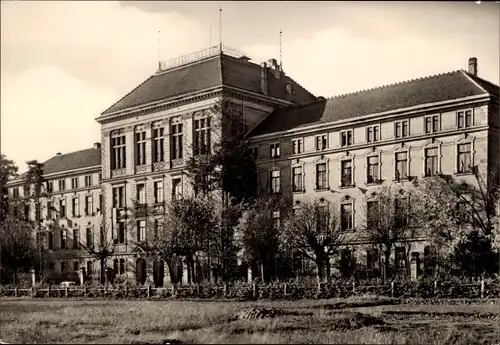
(63, 63)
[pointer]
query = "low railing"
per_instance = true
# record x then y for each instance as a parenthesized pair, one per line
(251, 291)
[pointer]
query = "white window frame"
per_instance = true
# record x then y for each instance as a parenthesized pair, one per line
(376, 134)
(275, 150)
(321, 142)
(348, 157)
(370, 154)
(464, 113)
(350, 203)
(465, 140)
(402, 149)
(432, 145)
(302, 166)
(402, 132)
(433, 130)
(299, 143)
(326, 161)
(271, 171)
(346, 131)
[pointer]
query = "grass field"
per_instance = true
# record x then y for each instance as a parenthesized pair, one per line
(324, 321)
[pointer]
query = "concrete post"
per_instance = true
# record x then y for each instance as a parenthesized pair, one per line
(81, 275)
(414, 266)
(33, 277)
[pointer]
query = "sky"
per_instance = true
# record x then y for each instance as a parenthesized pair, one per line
(65, 62)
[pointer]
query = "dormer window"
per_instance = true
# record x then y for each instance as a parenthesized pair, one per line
(289, 88)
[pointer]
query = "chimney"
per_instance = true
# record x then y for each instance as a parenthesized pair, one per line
(273, 64)
(58, 154)
(263, 78)
(473, 66)
(97, 145)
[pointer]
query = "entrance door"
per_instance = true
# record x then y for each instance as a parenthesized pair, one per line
(158, 273)
(140, 271)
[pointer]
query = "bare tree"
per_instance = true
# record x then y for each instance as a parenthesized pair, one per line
(100, 245)
(391, 222)
(315, 232)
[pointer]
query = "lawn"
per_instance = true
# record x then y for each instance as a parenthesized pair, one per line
(323, 321)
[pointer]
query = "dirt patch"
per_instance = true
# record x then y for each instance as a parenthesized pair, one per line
(346, 321)
(437, 314)
(258, 313)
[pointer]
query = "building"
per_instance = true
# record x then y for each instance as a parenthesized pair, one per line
(308, 147)
(70, 210)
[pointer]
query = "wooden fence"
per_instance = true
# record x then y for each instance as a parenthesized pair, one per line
(427, 289)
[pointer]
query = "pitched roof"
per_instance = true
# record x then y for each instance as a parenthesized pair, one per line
(70, 161)
(218, 70)
(436, 88)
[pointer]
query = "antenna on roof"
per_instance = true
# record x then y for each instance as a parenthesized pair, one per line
(159, 50)
(210, 36)
(220, 29)
(280, 53)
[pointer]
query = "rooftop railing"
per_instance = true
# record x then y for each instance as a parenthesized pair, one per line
(199, 55)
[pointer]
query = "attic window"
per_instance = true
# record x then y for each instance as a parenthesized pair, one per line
(289, 88)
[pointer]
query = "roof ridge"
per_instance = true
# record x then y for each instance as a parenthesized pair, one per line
(73, 152)
(391, 85)
(482, 79)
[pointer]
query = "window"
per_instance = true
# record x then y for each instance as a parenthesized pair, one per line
(62, 184)
(401, 129)
(118, 197)
(75, 207)
(158, 190)
(50, 207)
(63, 267)
(401, 211)
(321, 142)
(26, 191)
(297, 179)
(275, 150)
(431, 124)
(76, 239)
(141, 194)
(115, 266)
(89, 205)
(156, 226)
(346, 217)
(464, 119)
(100, 177)
(15, 192)
(372, 258)
(254, 152)
(62, 208)
(50, 240)
(141, 231)
(298, 146)
(464, 158)
(89, 268)
(118, 155)
(177, 144)
(373, 169)
(76, 266)
(202, 136)
(346, 138)
(346, 177)
(275, 181)
(27, 211)
(276, 219)
(401, 166)
(100, 202)
(371, 213)
(158, 145)
(431, 161)
(176, 188)
(400, 257)
(321, 215)
(101, 235)
(50, 186)
(372, 134)
(74, 182)
(140, 148)
(88, 180)
(121, 232)
(321, 176)
(63, 239)
(122, 266)
(90, 237)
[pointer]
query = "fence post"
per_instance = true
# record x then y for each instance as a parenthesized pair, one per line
(84, 291)
(198, 290)
(32, 291)
(48, 291)
(319, 289)
(392, 289)
(15, 291)
(149, 291)
(126, 291)
(66, 291)
(225, 290)
(284, 290)
(254, 290)
(435, 287)
(173, 290)
(353, 287)
(482, 287)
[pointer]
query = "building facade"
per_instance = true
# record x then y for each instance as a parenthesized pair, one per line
(308, 147)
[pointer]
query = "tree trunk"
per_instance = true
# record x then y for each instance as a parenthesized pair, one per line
(387, 255)
(103, 273)
(328, 269)
(321, 270)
